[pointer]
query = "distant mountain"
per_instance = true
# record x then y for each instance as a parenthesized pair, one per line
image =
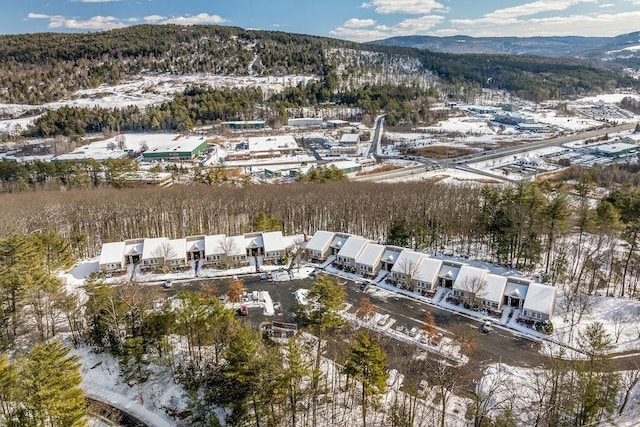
(623, 49)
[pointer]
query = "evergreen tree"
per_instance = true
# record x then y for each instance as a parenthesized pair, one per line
(399, 234)
(366, 363)
(49, 387)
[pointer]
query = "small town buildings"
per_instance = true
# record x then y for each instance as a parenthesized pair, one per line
(176, 149)
(404, 268)
(425, 278)
(515, 292)
(337, 243)
(449, 273)
(351, 249)
(368, 262)
(319, 246)
(112, 257)
(246, 125)
(176, 256)
(615, 149)
(305, 121)
(539, 303)
(469, 282)
(154, 252)
(491, 295)
(350, 138)
(274, 247)
(195, 247)
(390, 257)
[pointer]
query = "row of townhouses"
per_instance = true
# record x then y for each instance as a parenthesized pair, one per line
(420, 273)
(217, 250)
(407, 269)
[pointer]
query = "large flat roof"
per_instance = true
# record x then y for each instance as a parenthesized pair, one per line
(272, 143)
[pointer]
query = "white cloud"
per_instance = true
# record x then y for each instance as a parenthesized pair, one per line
(606, 5)
(611, 24)
(404, 28)
(534, 8)
(32, 15)
(95, 1)
(358, 23)
(199, 19)
(154, 18)
(98, 23)
(413, 7)
(95, 23)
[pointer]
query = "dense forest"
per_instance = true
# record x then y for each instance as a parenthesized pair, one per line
(223, 362)
(37, 68)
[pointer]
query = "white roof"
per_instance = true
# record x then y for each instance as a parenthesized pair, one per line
(195, 243)
(540, 298)
(468, 277)
(112, 253)
(133, 247)
(273, 241)
(154, 248)
(254, 241)
(449, 271)
(350, 138)
(177, 249)
(352, 247)
(516, 290)
(235, 246)
(272, 143)
(338, 242)
(320, 241)
(407, 262)
(371, 255)
(215, 244)
(428, 269)
(390, 256)
(494, 289)
(615, 147)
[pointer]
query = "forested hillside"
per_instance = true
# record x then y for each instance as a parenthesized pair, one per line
(38, 68)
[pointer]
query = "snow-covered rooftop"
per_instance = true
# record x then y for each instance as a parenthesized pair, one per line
(352, 247)
(112, 253)
(273, 241)
(428, 269)
(338, 241)
(154, 248)
(133, 247)
(320, 241)
(391, 255)
(195, 243)
(350, 138)
(177, 249)
(272, 143)
(494, 288)
(407, 262)
(235, 246)
(254, 241)
(516, 290)
(469, 277)
(214, 245)
(371, 255)
(540, 298)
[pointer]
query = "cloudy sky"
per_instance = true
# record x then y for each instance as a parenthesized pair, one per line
(347, 19)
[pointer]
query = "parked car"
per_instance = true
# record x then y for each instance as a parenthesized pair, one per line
(487, 326)
(264, 276)
(167, 283)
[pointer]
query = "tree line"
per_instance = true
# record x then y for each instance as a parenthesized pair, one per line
(65, 63)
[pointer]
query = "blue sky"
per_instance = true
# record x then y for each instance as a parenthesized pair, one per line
(356, 20)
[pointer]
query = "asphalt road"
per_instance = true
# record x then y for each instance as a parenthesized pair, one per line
(498, 345)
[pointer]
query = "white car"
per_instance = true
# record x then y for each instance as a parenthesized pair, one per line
(487, 326)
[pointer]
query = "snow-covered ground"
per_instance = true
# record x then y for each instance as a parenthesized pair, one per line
(146, 90)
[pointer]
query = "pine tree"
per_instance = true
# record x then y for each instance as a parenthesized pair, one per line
(49, 386)
(366, 363)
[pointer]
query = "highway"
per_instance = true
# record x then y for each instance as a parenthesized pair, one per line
(461, 161)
